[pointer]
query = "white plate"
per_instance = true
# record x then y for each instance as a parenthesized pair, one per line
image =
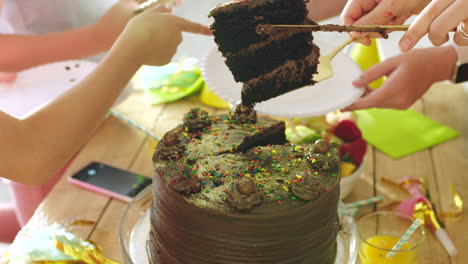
(324, 97)
(36, 86)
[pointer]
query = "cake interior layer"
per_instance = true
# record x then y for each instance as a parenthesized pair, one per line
(292, 75)
(235, 25)
(265, 56)
(227, 137)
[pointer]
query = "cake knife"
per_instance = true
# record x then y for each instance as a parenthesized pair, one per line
(381, 29)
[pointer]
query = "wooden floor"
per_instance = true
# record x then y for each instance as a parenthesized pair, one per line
(117, 144)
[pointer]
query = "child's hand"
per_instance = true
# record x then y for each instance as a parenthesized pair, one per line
(153, 36)
(113, 22)
(7, 77)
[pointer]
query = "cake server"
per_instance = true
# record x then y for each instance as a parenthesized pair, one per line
(324, 68)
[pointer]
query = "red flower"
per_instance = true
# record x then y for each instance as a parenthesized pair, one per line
(347, 130)
(354, 150)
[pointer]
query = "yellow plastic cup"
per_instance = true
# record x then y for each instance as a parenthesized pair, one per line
(367, 56)
(380, 231)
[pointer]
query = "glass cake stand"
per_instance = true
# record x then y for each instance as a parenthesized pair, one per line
(135, 226)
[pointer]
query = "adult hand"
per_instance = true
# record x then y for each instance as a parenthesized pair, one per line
(113, 22)
(410, 75)
(437, 19)
(379, 12)
(153, 37)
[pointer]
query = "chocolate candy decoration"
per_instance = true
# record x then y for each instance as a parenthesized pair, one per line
(196, 120)
(243, 194)
(246, 186)
(170, 138)
(321, 146)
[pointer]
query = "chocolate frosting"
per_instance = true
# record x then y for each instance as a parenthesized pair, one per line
(243, 194)
(169, 147)
(244, 114)
(183, 181)
(323, 161)
(261, 204)
(185, 233)
(307, 187)
(196, 120)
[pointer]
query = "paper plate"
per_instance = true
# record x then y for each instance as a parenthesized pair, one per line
(37, 86)
(324, 97)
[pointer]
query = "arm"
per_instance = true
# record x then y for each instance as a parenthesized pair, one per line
(36, 147)
(19, 52)
(32, 148)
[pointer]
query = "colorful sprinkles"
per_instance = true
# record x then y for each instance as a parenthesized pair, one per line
(274, 168)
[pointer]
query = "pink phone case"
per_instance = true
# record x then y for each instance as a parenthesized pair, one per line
(99, 190)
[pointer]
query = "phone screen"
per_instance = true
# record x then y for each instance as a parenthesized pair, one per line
(108, 178)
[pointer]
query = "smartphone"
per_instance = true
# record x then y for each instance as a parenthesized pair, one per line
(107, 180)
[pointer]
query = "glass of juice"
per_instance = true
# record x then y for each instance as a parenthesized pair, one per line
(380, 231)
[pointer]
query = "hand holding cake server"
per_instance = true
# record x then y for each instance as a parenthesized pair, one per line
(409, 77)
(436, 19)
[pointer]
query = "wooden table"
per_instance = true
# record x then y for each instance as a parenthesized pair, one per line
(117, 144)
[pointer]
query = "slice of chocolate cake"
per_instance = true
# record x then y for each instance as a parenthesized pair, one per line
(268, 64)
(293, 74)
(250, 62)
(235, 22)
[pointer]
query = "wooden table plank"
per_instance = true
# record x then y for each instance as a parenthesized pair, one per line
(139, 110)
(448, 105)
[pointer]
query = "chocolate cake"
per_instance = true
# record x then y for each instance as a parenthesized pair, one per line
(268, 64)
(231, 189)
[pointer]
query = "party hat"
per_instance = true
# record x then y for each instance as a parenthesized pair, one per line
(367, 56)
